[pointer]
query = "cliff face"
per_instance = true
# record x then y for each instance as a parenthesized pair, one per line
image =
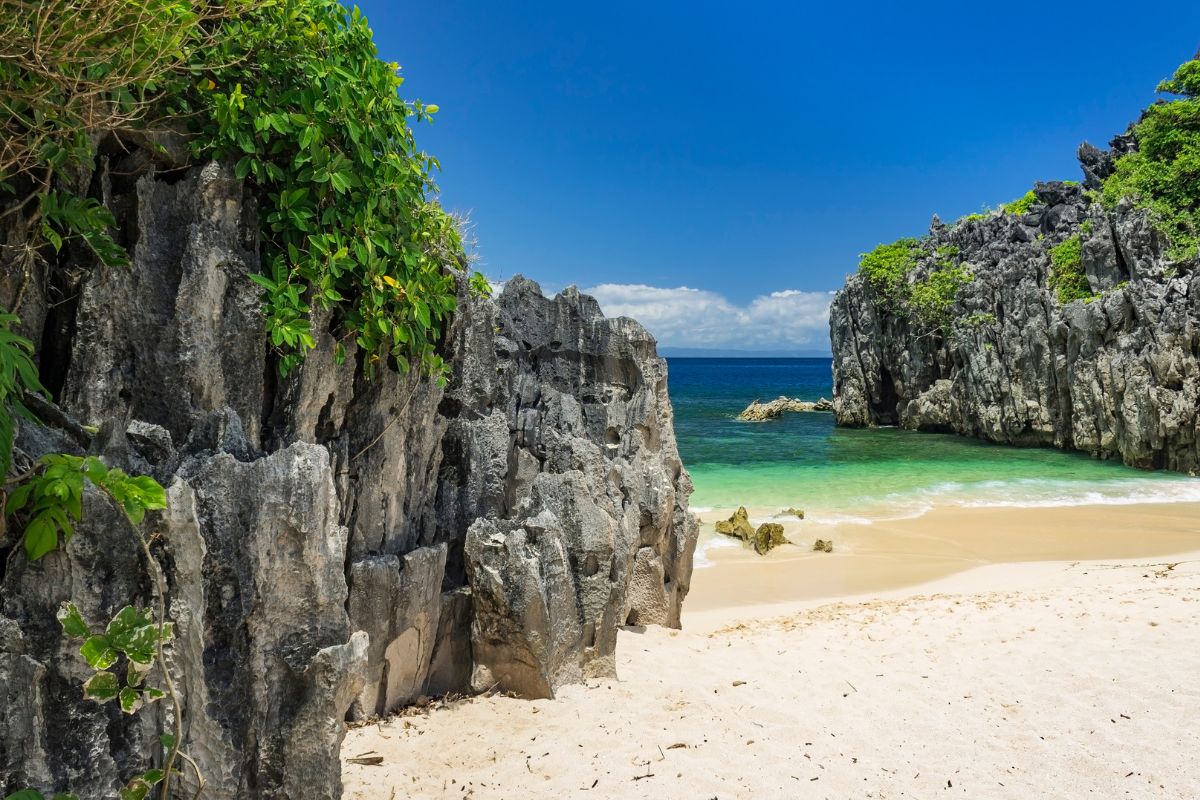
(1117, 375)
(332, 546)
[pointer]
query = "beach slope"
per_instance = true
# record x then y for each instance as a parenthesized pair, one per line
(1040, 679)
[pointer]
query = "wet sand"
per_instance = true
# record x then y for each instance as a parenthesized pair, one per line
(890, 554)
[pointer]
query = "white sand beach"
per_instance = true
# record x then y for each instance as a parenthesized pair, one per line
(977, 653)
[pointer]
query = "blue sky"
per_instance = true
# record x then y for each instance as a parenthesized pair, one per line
(738, 157)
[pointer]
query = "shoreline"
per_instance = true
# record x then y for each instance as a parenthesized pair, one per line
(880, 555)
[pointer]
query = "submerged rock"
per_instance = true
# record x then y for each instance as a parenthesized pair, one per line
(761, 412)
(823, 546)
(790, 511)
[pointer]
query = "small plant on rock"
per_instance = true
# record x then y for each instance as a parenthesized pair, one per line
(1067, 278)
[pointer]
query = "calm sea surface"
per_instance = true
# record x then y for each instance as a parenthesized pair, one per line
(803, 460)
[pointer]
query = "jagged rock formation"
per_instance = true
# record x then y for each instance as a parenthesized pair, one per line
(1117, 376)
(333, 546)
(761, 412)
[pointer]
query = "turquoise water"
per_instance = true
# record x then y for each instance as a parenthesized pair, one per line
(803, 460)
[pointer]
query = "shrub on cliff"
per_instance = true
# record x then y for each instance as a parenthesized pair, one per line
(1021, 205)
(294, 94)
(887, 266)
(1163, 174)
(300, 101)
(928, 301)
(932, 300)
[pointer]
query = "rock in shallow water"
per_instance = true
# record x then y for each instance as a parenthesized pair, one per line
(761, 412)
(768, 536)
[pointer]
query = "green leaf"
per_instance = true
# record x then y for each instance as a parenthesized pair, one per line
(101, 687)
(133, 633)
(98, 653)
(153, 776)
(136, 789)
(72, 621)
(130, 700)
(25, 794)
(41, 537)
(19, 496)
(167, 740)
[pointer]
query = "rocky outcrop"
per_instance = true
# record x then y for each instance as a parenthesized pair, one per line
(761, 412)
(332, 546)
(1116, 375)
(737, 525)
(768, 536)
(765, 538)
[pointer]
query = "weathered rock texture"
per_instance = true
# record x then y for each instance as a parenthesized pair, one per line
(1117, 376)
(332, 546)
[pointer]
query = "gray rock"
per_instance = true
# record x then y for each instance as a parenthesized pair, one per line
(397, 601)
(332, 545)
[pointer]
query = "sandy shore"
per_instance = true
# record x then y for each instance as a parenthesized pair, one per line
(877, 554)
(1057, 676)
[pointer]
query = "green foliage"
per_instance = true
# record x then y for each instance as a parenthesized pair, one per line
(33, 794)
(131, 637)
(1163, 174)
(1020, 205)
(294, 95)
(887, 266)
(978, 319)
(18, 374)
(1067, 278)
(932, 299)
(71, 69)
(65, 216)
(479, 285)
(52, 498)
(1086, 227)
(928, 301)
(307, 110)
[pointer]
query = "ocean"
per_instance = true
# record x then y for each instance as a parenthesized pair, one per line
(833, 473)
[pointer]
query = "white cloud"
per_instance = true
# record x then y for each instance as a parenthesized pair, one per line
(683, 317)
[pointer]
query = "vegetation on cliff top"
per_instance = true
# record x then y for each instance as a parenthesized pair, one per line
(928, 301)
(1163, 174)
(290, 92)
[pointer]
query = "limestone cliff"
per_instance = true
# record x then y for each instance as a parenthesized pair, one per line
(1116, 374)
(333, 546)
